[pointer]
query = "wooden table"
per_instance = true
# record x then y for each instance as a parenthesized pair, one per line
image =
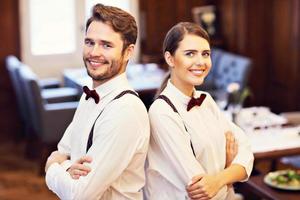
(256, 186)
(271, 146)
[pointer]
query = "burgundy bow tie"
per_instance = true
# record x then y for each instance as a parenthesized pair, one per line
(91, 93)
(195, 102)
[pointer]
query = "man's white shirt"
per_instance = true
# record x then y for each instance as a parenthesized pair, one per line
(120, 144)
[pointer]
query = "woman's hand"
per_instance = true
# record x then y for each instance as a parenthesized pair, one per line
(203, 187)
(231, 148)
(78, 168)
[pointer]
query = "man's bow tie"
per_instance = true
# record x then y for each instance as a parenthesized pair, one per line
(91, 93)
(195, 101)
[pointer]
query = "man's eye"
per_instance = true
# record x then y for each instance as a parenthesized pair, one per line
(88, 43)
(106, 46)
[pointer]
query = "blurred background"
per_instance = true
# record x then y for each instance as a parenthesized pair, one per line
(254, 43)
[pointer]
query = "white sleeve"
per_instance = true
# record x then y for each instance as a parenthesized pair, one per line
(64, 145)
(116, 140)
(244, 156)
(169, 134)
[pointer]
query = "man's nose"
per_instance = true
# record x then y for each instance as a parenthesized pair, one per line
(96, 51)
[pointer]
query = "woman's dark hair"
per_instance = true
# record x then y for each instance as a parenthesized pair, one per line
(174, 36)
(121, 22)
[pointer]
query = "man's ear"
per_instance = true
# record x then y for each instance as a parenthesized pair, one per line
(129, 52)
(169, 59)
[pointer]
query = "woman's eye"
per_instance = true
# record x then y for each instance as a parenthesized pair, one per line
(205, 54)
(190, 54)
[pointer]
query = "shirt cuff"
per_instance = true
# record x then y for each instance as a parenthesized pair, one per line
(57, 180)
(246, 163)
(50, 173)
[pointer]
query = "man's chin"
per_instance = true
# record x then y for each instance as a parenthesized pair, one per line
(96, 77)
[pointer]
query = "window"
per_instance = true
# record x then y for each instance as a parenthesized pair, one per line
(47, 17)
(52, 32)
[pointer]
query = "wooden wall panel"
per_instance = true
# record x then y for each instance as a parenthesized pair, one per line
(160, 16)
(156, 24)
(268, 32)
(256, 46)
(284, 62)
(296, 47)
(227, 19)
(10, 44)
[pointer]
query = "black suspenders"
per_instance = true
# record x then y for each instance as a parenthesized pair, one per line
(168, 101)
(90, 139)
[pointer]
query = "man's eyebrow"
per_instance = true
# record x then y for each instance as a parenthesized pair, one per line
(106, 42)
(87, 39)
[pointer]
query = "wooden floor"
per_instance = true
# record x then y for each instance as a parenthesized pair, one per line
(19, 176)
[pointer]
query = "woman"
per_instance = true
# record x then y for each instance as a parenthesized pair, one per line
(187, 154)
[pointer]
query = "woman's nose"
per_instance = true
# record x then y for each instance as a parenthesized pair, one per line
(199, 61)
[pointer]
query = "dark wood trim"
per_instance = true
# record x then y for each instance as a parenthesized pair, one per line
(10, 44)
(257, 186)
(270, 155)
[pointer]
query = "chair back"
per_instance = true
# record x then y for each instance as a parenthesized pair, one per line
(231, 68)
(215, 58)
(13, 65)
(33, 97)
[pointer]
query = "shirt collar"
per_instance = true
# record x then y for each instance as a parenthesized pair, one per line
(112, 85)
(172, 90)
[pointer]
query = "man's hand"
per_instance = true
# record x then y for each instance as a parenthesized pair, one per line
(78, 168)
(203, 187)
(55, 157)
(231, 148)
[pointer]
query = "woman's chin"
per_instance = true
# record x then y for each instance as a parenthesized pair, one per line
(198, 82)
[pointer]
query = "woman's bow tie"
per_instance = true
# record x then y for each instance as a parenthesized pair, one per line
(195, 101)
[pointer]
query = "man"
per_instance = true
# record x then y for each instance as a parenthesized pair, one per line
(102, 152)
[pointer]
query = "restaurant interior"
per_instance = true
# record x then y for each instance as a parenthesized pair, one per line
(255, 77)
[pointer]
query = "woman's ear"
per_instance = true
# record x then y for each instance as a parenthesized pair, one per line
(169, 59)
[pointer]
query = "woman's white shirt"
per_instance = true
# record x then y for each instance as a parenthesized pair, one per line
(171, 163)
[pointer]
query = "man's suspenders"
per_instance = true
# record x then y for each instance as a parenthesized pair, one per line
(90, 139)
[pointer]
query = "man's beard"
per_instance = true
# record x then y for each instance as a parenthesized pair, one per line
(113, 69)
